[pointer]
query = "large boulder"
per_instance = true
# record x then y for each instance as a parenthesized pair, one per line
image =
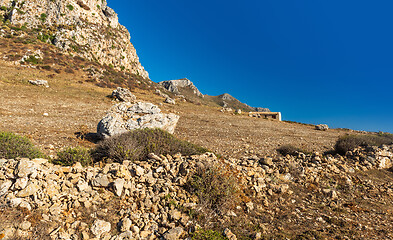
(125, 117)
(123, 95)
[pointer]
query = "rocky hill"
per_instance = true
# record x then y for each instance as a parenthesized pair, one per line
(185, 88)
(86, 28)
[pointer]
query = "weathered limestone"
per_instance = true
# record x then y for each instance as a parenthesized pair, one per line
(125, 117)
(87, 28)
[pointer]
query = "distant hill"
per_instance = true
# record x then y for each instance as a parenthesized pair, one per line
(187, 89)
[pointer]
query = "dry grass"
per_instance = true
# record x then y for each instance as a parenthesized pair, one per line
(137, 144)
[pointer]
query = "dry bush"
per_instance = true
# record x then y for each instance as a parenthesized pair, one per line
(350, 142)
(217, 190)
(137, 144)
(290, 150)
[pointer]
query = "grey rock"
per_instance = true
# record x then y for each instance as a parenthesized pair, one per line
(125, 225)
(174, 85)
(26, 168)
(170, 101)
(100, 227)
(101, 180)
(322, 127)
(125, 117)
(21, 183)
(29, 190)
(118, 186)
(123, 94)
(39, 83)
(174, 233)
(259, 109)
(229, 234)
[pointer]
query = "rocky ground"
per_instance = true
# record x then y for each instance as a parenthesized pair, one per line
(292, 197)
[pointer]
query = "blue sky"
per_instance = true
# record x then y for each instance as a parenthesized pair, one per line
(315, 61)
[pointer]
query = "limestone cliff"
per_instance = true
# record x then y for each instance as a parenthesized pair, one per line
(87, 28)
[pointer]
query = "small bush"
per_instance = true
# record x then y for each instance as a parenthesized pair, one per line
(43, 17)
(216, 188)
(70, 156)
(13, 146)
(350, 142)
(137, 144)
(70, 7)
(290, 150)
(201, 234)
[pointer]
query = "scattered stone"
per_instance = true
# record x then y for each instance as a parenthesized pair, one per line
(170, 101)
(29, 190)
(100, 227)
(100, 180)
(39, 83)
(174, 233)
(125, 225)
(118, 186)
(229, 234)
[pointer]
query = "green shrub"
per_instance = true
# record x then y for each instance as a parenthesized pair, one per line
(13, 146)
(201, 234)
(137, 144)
(70, 156)
(290, 150)
(43, 17)
(70, 7)
(350, 142)
(216, 188)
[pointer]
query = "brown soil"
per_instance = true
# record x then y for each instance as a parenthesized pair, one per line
(74, 106)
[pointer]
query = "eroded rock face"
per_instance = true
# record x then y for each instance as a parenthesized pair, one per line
(88, 28)
(174, 85)
(125, 117)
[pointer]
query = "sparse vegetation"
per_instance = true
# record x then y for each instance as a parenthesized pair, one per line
(350, 142)
(13, 146)
(202, 234)
(43, 17)
(137, 144)
(70, 7)
(70, 156)
(216, 188)
(290, 150)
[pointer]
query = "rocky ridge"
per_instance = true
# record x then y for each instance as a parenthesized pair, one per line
(148, 200)
(87, 28)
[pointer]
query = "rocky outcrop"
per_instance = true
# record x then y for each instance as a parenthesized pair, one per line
(125, 117)
(123, 95)
(260, 109)
(88, 28)
(322, 127)
(177, 86)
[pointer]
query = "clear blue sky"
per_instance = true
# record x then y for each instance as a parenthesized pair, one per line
(315, 61)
